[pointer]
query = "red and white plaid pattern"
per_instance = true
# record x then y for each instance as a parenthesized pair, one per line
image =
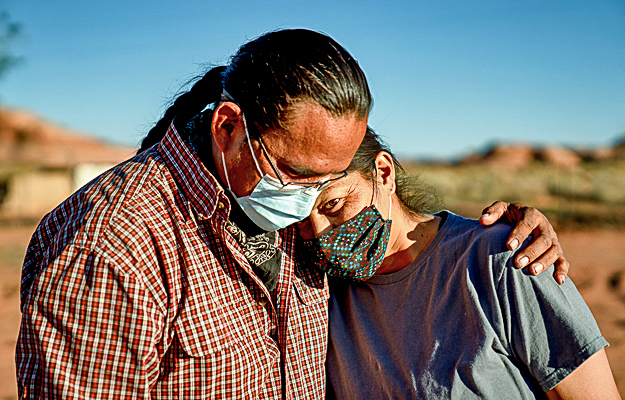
(133, 288)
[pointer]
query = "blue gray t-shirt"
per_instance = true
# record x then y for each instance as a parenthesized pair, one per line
(460, 322)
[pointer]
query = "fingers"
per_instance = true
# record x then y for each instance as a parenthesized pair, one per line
(543, 262)
(493, 212)
(527, 220)
(543, 251)
(547, 255)
(530, 220)
(538, 251)
(562, 270)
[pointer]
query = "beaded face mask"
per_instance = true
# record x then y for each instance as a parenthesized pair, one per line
(354, 250)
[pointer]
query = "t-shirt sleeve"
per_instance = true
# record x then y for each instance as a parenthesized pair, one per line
(550, 328)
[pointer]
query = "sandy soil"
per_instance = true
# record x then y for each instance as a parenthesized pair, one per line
(598, 269)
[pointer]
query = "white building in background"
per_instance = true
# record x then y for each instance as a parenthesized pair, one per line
(84, 173)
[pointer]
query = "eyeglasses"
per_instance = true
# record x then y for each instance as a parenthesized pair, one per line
(317, 185)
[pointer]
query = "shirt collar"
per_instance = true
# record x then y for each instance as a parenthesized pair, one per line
(197, 184)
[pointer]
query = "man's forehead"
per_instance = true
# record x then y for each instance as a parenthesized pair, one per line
(310, 161)
(311, 157)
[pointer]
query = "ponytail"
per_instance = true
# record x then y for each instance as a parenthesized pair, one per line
(205, 91)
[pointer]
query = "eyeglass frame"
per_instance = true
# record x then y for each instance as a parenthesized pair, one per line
(318, 185)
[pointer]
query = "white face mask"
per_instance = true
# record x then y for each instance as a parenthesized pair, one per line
(270, 206)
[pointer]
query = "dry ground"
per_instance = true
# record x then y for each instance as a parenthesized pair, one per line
(598, 269)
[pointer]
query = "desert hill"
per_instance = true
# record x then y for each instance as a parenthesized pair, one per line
(519, 155)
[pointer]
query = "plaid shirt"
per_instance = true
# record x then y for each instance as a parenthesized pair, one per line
(133, 288)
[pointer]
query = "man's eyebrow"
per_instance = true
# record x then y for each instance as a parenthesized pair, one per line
(301, 171)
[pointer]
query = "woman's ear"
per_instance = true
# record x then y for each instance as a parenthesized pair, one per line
(226, 123)
(386, 171)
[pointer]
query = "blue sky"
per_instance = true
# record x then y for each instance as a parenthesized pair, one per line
(448, 77)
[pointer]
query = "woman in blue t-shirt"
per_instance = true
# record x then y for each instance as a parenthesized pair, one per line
(431, 305)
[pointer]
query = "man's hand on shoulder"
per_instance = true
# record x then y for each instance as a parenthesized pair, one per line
(544, 250)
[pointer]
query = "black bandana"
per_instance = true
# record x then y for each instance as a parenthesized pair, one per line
(261, 252)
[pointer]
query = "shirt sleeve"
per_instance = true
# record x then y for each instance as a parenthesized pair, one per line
(551, 329)
(88, 330)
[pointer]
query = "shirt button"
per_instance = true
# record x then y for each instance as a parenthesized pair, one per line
(221, 205)
(262, 302)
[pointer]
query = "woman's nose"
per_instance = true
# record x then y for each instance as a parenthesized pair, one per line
(319, 225)
(305, 229)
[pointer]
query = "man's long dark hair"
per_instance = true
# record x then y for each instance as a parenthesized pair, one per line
(270, 74)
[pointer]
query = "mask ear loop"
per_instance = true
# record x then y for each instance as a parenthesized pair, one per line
(223, 159)
(249, 142)
(376, 190)
(377, 195)
(247, 135)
